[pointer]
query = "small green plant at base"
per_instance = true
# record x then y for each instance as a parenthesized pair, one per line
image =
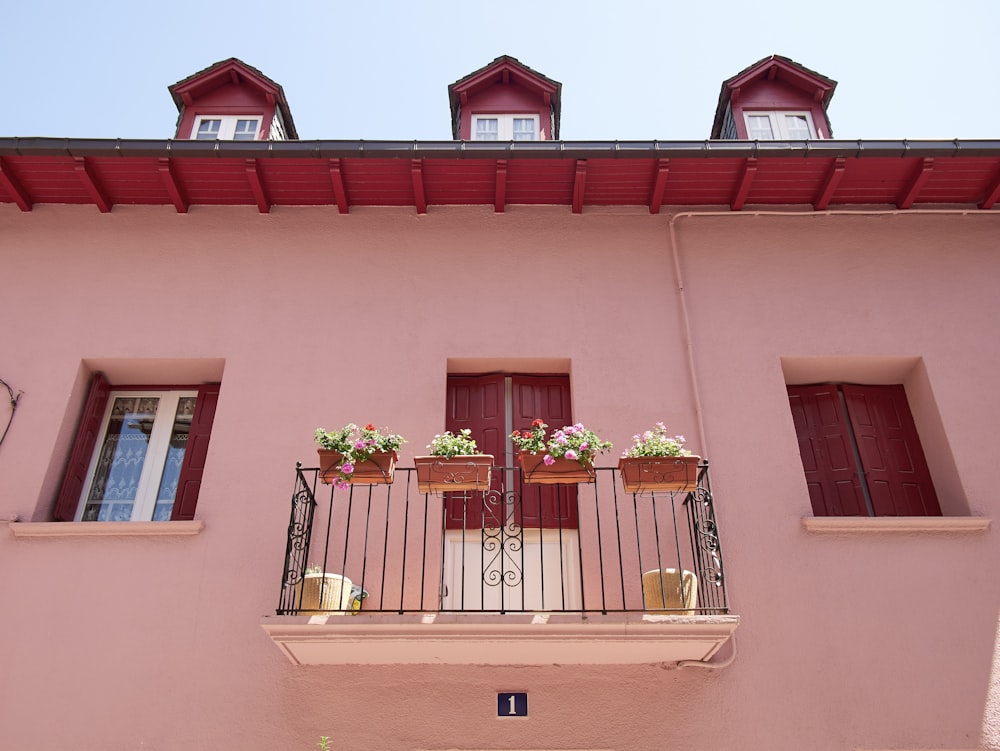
(449, 445)
(324, 743)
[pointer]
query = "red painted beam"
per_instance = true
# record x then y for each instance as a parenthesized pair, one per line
(994, 194)
(500, 199)
(833, 178)
(173, 186)
(660, 186)
(746, 181)
(14, 188)
(916, 184)
(579, 185)
(257, 187)
(417, 174)
(339, 192)
(93, 187)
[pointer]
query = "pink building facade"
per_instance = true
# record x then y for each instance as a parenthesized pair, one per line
(760, 297)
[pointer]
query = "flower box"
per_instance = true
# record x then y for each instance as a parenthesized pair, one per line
(377, 470)
(438, 474)
(561, 472)
(676, 474)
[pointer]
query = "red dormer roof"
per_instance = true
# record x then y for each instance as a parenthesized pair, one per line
(778, 83)
(230, 87)
(487, 85)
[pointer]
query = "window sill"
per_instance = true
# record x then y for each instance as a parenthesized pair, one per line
(893, 524)
(105, 529)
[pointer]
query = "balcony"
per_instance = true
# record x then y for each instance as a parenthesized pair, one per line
(519, 574)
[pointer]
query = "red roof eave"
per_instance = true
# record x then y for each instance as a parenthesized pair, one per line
(423, 174)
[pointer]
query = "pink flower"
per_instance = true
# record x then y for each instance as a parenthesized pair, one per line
(358, 445)
(549, 461)
(584, 446)
(347, 468)
(562, 440)
(340, 483)
(571, 455)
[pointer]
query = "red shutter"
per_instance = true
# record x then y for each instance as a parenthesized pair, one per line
(476, 403)
(827, 451)
(189, 483)
(83, 450)
(899, 481)
(547, 397)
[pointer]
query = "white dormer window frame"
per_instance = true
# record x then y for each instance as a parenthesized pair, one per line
(505, 127)
(226, 127)
(780, 125)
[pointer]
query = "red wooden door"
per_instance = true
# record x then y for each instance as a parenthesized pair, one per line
(547, 397)
(480, 404)
(477, 403)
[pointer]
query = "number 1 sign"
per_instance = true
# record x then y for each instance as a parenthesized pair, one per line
(512, 704)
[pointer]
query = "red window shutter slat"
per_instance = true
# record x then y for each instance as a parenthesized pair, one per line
(193, 468)
(895, 468)
(87, 435)
(826, 450)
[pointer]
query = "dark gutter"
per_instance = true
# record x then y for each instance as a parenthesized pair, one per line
(126, 148)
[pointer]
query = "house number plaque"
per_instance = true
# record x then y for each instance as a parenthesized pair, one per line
(512, 704)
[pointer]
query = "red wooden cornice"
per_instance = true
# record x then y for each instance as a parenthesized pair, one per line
(816, 175)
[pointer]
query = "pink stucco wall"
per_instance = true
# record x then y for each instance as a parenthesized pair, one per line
(870, 640)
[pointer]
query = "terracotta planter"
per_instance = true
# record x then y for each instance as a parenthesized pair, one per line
(376, 471)
(322, 593)
(669, 473)
(562, 472)
(437, 474)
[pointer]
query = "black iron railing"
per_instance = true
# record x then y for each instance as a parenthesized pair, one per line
(517, 547)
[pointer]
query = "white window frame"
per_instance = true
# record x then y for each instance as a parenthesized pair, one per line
(227, 126)
(505, 125)
(157, 447)
(779, 129)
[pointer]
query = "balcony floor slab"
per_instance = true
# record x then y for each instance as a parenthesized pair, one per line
(498, 639)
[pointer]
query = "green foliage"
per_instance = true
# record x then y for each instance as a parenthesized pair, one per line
(448, 444)
(573, 442)
(356, 445)
(656, 442)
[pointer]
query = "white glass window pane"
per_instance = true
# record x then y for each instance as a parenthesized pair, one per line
(487, 128)
(175, 458)
(759, 128)
(121, 459)
(208, 130)
(797, 127)
(524, 129)
(246, 130)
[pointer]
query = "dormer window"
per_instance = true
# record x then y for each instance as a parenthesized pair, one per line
(230, 101)
(505, 127)
(226, 128)
(779, 126)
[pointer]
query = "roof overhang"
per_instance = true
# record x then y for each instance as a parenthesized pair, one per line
(815, 175)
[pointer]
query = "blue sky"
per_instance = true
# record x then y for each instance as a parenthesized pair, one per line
(380, 70)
